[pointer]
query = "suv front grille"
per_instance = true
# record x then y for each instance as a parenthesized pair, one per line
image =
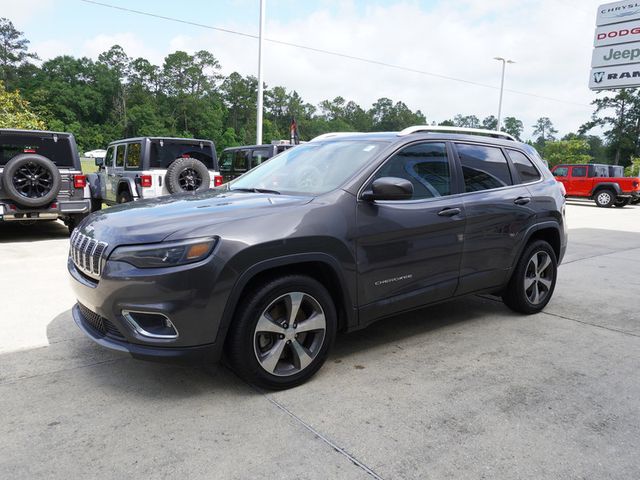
(100, 324)
(87, 253)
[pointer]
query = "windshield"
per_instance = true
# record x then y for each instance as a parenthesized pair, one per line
(311, 168)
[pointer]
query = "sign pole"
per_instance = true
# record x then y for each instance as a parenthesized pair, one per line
(504, 66)
(260, 82)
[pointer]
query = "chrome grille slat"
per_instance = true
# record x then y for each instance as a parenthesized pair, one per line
(86, 253)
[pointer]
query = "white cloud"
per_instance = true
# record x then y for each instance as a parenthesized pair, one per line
(132, 44)
(21, 12)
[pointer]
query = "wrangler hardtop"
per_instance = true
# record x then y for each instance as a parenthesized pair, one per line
(148, 167)
(41, 177)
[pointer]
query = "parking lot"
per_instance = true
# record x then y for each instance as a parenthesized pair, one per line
(466, 389)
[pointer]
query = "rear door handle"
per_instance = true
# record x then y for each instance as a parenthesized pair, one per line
(449, 212)
(522, 200)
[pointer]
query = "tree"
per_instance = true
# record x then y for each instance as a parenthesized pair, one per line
(15, 111)
(543, 131)
(621, 115)
(466, 121)
(490, 123)
(13, 50)
(567, 151)
(513, 127)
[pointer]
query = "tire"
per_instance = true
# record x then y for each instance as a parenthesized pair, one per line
(31, 180)
(604, 198)
(635, 201)
(621, 202)
(268, 357)
(187, 175)
(520, 294)
(124, 196)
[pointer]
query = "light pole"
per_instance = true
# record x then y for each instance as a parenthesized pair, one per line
(260, 89)
(504, 66)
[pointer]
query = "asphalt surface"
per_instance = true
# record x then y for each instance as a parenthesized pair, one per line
(462, 390)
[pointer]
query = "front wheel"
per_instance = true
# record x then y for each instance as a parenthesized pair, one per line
(124, 197)
(282, 336)
(534, 279)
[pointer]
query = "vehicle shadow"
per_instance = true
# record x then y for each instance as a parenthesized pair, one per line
(36, 231)
(115, 373)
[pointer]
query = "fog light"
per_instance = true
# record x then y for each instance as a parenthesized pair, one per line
(151, 324)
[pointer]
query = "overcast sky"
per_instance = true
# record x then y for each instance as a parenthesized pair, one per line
(550, 40)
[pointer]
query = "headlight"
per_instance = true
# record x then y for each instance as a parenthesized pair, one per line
(165, 254)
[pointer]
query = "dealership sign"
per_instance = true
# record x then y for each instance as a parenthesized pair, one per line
(615, 62)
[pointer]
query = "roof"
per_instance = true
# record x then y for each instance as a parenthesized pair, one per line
(21, 131)
(264, 145)
(134, 139)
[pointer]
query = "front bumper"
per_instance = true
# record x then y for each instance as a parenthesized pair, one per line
(199, 354)
(57, 209)
(186, 295)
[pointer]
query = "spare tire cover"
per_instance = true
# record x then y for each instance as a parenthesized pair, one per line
(31, 180)
(187, 175)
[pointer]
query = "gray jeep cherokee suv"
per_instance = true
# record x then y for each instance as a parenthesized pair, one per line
(329, 236)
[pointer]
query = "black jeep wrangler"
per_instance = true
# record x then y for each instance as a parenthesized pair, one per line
(41, 178)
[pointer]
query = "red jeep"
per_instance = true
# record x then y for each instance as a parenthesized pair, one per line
(596, 182)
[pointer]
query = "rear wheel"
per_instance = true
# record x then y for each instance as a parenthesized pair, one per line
(283, 335)
(604, 198)
(621, 202)
(124, 197)
(534, 279)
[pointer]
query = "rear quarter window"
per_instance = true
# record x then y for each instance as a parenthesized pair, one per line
(483, 167)
(526, 170)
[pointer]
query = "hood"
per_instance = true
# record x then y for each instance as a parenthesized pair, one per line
(153, 220)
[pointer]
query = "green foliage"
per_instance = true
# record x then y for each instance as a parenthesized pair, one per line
(15, 111)
(543, 132)
(513, 127)
(566, 151)
(633, 170)
(13, 51)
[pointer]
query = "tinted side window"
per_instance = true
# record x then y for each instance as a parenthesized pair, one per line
(133, 155)
(259, 155)
(525, 168)
(483, 167)
(226, 159)
(561, 172)
(108, 158)
(579, 172)
(120, 156)
(240, 161)
(425, 165)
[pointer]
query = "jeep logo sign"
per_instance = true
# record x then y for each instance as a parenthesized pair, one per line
(615, 61)
(616, 55)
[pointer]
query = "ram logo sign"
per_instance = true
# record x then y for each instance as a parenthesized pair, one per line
(615, 61)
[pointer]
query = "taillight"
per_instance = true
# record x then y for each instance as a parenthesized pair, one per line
(217, 180)
(146, 180)
(635, 184)
(79, 181)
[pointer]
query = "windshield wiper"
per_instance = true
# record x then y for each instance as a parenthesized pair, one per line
(254, 190)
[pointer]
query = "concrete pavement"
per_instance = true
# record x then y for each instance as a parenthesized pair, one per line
(461, 390)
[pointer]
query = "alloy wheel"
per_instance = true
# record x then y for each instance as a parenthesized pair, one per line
(604, 198)
(33, 180)
(189, 180)
(289, 334)
(538, 277)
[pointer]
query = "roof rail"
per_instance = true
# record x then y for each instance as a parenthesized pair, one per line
(332, 134)
(471, 131)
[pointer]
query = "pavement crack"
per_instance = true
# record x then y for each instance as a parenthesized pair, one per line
(322, 437)
(624, 332)
(19, 379)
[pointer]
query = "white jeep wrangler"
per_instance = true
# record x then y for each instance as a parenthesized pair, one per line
(147, 167)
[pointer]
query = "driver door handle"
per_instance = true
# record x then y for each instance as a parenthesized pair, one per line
(522, 200)
(449, 212)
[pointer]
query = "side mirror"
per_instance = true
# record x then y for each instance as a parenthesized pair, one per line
(99, 161)
(389, 188)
